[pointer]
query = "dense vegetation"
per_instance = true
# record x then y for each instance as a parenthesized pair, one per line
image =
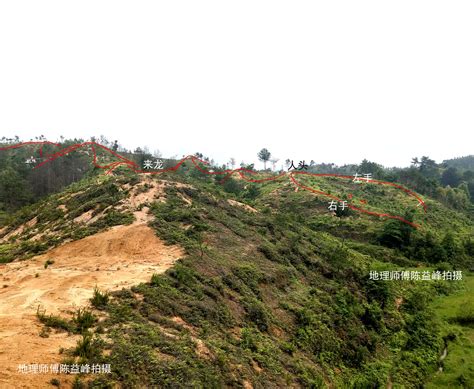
(275, 297)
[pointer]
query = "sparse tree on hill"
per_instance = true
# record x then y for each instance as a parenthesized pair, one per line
(274, 162)
(264, 156)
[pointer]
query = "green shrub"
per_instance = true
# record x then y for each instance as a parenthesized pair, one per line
(50, 214)
(184, 275)
(88, 347)
(114, 218)
(444, 266)
(6, 253)
(156, 279)
(99, 299)
(252, 192)
(83, 319)
(45, 331)
(270, 253)
(233, 186)
(249, 276)
(308, 376)
(78, 384)
(53, 320)
(256, 313)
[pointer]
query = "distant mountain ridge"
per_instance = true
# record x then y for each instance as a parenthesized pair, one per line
(461, 163)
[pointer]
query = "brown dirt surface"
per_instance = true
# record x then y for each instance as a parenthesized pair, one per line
(239, 204)
(149, 195)
(18, 231)
(119, 257)
(398, 302)
(85, 217)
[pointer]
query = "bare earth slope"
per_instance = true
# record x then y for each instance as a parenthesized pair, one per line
(119, 257)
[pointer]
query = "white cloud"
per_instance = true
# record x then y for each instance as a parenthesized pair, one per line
(329, 81)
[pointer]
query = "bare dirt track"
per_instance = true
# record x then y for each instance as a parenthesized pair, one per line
(119, 257)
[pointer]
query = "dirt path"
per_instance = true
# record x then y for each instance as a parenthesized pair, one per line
(120, 257)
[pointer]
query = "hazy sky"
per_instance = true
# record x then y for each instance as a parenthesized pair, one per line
(333, 81)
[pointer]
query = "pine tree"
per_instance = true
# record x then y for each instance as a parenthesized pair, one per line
(264, 156)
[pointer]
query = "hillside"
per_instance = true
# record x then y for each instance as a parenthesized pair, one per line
(234, 284)
(462, 163)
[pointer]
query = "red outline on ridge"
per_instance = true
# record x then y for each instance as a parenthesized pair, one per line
(134, 166)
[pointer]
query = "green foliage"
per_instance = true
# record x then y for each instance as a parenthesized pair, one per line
(457, 198)
(371, 375)
(13, 189)
(114, 218)
(261, 348)
(465, 314)
(264, 156)
(83, 319)
(371, 167)
(285, 290)
(270, 253)
(78, 383)
(373, 317)
(396, 234)
(316, 336)
(99, 299)
(233, 186)
(252, 192)
(89, 347)
(257, 313)
(50, 213)
(53, 321)
(462, 163)
(6, 253)
(172, 217)
(308, 376)
(184, 275)
(450, 177)
(97, 197)
(380, 292)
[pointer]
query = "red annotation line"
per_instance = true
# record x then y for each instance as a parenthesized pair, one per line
(228, 172)
(379, 182)
(353, 206)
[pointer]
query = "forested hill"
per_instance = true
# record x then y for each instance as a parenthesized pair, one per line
(461, 163)
(273, 289)
(451, 182)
